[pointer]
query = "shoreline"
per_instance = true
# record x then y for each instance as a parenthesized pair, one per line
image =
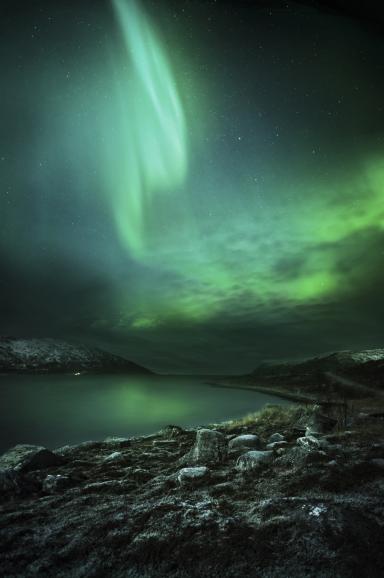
(277, 392)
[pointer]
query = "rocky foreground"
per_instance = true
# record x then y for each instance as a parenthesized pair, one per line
(282, 496)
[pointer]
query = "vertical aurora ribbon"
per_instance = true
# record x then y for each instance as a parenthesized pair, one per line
(149, 146)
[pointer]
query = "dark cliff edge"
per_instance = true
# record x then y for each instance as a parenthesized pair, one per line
(285, 492)
(58, 356)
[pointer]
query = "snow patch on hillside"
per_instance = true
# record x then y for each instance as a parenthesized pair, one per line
(53, 354)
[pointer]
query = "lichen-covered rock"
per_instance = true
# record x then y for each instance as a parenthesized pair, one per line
(309, 443)
(244, 442)
(253, 459)
(25, 457)
(192, 476)
(210, 448)
(313, 443)
(276, 437)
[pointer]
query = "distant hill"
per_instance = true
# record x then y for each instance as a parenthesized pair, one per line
(337, 360)
(57, 356)
(365, 366)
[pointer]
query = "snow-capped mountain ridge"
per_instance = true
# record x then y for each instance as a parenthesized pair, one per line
(46, 354)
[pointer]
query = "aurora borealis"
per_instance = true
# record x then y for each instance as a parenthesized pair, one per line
(150, 158)
(195, 185)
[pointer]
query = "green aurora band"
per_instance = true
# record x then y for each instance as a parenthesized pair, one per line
(230, 252)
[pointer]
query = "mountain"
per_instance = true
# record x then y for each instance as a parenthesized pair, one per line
(57, 356)
(364, 366)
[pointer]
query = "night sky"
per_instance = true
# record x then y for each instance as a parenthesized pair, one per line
(194, 185)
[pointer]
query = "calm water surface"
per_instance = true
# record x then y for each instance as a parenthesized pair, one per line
(58, 410)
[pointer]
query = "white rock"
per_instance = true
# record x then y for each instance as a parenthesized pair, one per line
(114, 457)
(192, 475)
(253, 459)
(276, 437)
(316, 511)
(210, 447)
(308, 442)
(244, 442)
(55, 482)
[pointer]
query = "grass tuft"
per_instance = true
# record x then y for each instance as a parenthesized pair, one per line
(272, 418)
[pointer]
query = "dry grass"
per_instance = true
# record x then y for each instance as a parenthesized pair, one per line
(272, 418)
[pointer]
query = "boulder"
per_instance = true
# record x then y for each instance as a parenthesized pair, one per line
(277, 445)
(244, 442)
(210, 447)
(25, 457)
(276, 437)
(253, 459)
(192, 476)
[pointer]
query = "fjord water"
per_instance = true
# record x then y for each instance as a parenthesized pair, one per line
(54, 410)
